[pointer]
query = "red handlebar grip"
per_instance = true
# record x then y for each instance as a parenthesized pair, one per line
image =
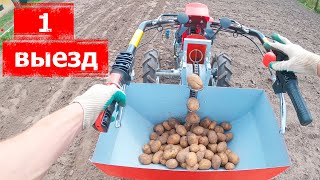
(98, 124)
(268, 58)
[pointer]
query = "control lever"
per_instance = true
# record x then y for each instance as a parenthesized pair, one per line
(287, 82)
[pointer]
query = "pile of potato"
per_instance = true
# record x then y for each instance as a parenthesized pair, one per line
(193, 145)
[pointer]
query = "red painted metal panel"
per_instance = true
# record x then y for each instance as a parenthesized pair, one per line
(196, 52)
(154, 174)
(197, 9)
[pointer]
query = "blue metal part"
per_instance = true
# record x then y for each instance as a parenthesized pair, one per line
(257, 140)
(168, 33)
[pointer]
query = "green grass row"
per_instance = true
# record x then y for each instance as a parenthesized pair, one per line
(311, 4)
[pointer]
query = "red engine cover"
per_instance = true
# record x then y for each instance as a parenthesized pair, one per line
(198, 9)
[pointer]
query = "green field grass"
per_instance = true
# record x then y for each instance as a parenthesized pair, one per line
(7, 36)
(6, 18)
(311, 4)
(5, 23)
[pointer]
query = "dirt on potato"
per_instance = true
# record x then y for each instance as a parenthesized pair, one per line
(23, 101)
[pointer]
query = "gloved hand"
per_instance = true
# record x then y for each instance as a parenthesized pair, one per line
(300, 60)
(96, 99)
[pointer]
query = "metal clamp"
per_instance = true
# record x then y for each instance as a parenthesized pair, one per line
(282, 103)
(283, 113)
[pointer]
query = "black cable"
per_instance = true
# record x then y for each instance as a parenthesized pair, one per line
(253, 43)
(258, 49)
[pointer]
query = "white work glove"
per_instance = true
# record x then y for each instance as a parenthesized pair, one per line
(300, 60)
(96, 99)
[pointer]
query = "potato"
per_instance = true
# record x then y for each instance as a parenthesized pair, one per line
(205, 122)
(233, 158)
(189, 133)
(221, 137)
(151, 141)
(181, 130)
(153, 136)
(222, 147)
(159, 129)
(172, 122)
(204, 164)
(192, 139)
(194, 82)
(146, 149)
(205, 132)
(173, 139)
(193, 126)
(204, 140)
(191, 159)
(170, 153)
(145, 159)
(192, 117)
(212, 125)
(229, 166)
(156, 157)
(194, 148)
(229, 136)
(162, 160)
(216, 162)
(166, 126)
(208, 154)
(202, 147)
(198, 130)
(193, 104)
(183, 141)
(198, 137)
(226, 126)
(212, 147)
(172, 163)
(162, 147)
(192, 168)
(163, 139)
(212, 136)
(155, 146)
(176, 147)
(200, 155)
(181, 156)
(168, 146)
(228, 151)
(224, 158)
(183, 165)
(219, 129)
(187, 125)
(172, 131)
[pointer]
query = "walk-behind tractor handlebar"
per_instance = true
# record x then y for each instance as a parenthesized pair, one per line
(284, 82)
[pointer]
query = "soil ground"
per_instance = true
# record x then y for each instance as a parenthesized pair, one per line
(23, 101)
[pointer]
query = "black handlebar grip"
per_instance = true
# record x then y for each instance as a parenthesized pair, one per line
(103, 121)
(299, 104)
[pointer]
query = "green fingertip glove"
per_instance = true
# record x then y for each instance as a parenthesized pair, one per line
(119, 97)
(277, 38)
